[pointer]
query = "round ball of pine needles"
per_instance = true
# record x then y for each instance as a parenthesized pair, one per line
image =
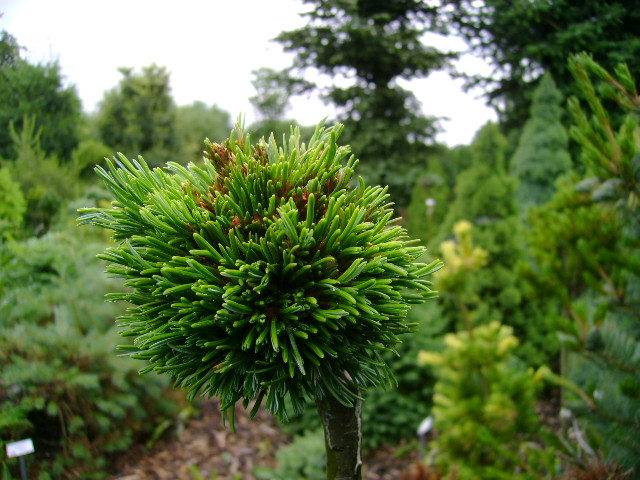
(261, 273)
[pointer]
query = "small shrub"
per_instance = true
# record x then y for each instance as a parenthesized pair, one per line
(302, 459)
(12, 203)
(61, 382)
(264, 274)
(484, 408)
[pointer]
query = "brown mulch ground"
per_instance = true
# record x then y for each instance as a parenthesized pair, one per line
(208, 448)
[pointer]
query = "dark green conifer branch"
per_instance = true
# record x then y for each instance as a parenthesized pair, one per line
(262, 273)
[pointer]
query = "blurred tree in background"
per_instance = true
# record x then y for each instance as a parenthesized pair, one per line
(36, 91)
(45, 182)
(138, 117)
(368, 49)
(89, 153)
(522, 40)
(542, 155)
(12, 203)
(586, 249)
(462, 257)
(484, 409)
(485, 196)
(194, 123)
(9, 50)
(433, 192)
(273, 91)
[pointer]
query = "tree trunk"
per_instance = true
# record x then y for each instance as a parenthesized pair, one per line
(343, 438)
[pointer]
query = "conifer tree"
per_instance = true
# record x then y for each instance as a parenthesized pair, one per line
(12, 203)
(588, 249)
(484, 408)
(367, 48)
(433, 192)
(523, 39)
(39, 92)
(273, 91)
(483, 402)
(462, 258)
(196, 121)
(542, 155)
(138, 116)
(45, 182)
(264, 275)
(485, 196)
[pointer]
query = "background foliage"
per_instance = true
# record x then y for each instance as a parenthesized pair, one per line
(374, 45)
(39, 92)
(138, 117)
(554, 31)
(61, 383)
(561, 270)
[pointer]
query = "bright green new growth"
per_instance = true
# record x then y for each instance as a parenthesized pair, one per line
(261, 273)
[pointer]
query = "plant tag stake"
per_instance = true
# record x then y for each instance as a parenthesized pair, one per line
(19, 449)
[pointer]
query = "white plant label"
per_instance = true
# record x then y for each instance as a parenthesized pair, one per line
(17, 449)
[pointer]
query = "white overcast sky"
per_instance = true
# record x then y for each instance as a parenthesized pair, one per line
(210, 48)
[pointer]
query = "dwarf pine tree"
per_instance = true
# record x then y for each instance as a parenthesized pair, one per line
(264, 275)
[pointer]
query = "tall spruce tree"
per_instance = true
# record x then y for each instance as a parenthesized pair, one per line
(542, 154)
(366, 47)
(271, 102)
(9, 49)
(485, 196)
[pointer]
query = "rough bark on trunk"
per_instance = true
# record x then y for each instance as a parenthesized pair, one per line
(343, 438)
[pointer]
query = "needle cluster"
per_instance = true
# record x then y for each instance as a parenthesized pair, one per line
(263, 273)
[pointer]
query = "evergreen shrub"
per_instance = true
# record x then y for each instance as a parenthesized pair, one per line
(263, 275)
(12, 203)
(302, 459)
(603, 336)
(484, 408)
(61, 382)
(485, 197)
(45, 182)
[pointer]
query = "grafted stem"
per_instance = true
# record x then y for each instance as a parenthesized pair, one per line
(343, 438)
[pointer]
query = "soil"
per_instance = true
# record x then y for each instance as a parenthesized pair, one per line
(205, 450)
